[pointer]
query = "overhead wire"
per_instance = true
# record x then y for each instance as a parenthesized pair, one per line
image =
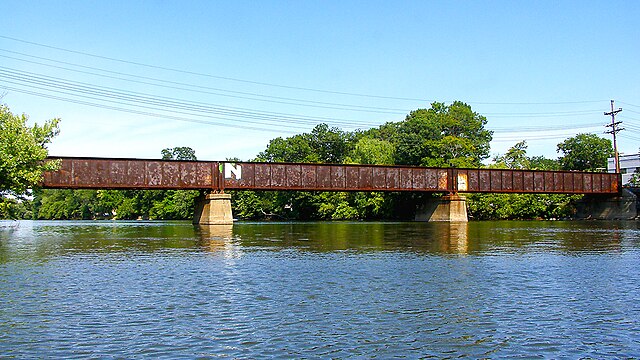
(629, 104)
(170, 104)
(207, 75)
(542, 128)
(226, 113)
(543, 114)
(272, 84)
(262, 97)
(630, 137)
(207, 89)
(151, 114)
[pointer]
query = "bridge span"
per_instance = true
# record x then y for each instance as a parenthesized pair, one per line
(215, 177)
(103, 173)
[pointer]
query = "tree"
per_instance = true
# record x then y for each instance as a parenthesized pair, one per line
(331, 144)
(443, 136)
(585, 152)
(372, 151)
(292, 149)
(175, 204)
(321, 145)
(542, 163)
(13, 208)
(68, 204)
(179, 153)
(23, 151)
(515, 158)
(521, 206)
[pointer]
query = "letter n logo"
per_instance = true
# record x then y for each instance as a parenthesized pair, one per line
(232, 169)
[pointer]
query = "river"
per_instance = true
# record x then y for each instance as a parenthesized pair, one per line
(92, 289)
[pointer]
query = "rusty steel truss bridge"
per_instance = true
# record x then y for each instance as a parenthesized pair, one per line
(218, 176)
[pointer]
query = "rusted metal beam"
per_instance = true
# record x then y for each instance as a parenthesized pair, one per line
(101, 173)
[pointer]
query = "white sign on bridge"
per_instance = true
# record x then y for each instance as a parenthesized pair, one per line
(232, 171)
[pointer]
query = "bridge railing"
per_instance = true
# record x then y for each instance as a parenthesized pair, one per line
(102, 173)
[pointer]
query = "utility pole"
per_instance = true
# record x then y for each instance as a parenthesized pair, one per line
(614, 130)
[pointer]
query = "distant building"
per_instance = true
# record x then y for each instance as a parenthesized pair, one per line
(628, 165)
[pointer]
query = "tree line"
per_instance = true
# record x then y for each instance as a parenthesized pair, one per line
(440, 136)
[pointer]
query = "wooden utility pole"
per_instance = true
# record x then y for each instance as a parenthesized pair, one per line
(614, 130)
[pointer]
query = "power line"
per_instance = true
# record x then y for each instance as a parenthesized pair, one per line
(339, 106)
(543, 128)
(208, 75)
(543, 114)
(629, 137)
(48, 83)
(170, 104)
(278, 85)
(285, 129)
(538, 137)
(204, 89)
(265, 98)
(629, 104)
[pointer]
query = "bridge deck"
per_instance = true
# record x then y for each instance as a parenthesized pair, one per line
(102, 173)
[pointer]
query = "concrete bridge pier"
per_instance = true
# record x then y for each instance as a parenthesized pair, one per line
(451, 208)
(213, 209)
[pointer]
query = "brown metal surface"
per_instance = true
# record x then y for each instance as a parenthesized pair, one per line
(97, 173)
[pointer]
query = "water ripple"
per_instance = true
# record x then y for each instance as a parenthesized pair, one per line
(346, 290)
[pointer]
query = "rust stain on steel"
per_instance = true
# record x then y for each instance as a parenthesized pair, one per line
(98, 173)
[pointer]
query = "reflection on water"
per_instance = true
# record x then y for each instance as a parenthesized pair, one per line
(321, 290)
(217, 238)
(41, 239)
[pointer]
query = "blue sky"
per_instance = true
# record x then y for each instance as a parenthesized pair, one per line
(226, 77)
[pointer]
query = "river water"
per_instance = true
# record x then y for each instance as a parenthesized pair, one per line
(319, 290)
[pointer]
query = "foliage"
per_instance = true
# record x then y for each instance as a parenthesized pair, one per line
(179, 153)
(441, 136)
(515, 158)
(585, 152)
(521, 206)
(68, 204)
(14, 208)
(251, 204)
(322, 145)
(372, 151)
(175, 204)
(119, 204)
(542, 163)
(23, 150)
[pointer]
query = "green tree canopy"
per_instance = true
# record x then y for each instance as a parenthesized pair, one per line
(321, 145)
(443, 135)
(179, 153)
(23, 150)
(521, 206)
(585, 152)
(515, 158)
(372, 152)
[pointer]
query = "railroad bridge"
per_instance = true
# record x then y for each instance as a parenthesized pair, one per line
(214, 177)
